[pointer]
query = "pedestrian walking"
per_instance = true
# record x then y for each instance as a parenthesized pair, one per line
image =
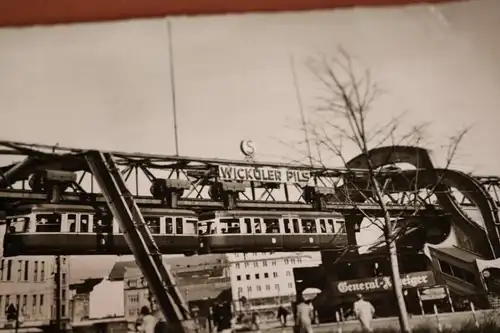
(148, 322)
(282, 314)
(364, 311)
(304, 316)
(223, 317)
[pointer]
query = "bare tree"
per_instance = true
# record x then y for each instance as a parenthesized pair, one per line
(341, 123)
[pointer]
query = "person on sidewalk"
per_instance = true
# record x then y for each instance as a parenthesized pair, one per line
(223, 316)
(148, 322)
(282, 314)
(364, 311)
(304, 316)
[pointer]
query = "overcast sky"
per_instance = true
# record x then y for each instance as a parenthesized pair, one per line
(107, 85)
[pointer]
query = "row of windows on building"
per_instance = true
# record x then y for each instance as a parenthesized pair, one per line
(30, 305)
(267, 287)
(257, 276)
(133, 306)
(291, 261)
(27, 271)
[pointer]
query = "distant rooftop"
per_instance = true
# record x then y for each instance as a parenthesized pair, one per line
(85, 286)
(178, 264)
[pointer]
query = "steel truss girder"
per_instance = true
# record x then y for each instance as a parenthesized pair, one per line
(148, 257)
(207, 204)
(202, 172)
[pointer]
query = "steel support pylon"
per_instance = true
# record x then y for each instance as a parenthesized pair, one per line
(139, 239)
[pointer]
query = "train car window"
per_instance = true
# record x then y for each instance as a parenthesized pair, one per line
(248, 225)
(230, 226)
(84, 223)
(153, 223)
(72, 222)
(322, 226)
(26, 223)
(330, 228)
(179, 225)
(204, 227)
(308, 226)
(48, 222)
(190, 227)
(169, 226)
(107, 222)
(257, 226)
(287, 224)
(103, 223)
(11, 226)
(340, 226)
(272, 226)
(296, 226)
(18, 224)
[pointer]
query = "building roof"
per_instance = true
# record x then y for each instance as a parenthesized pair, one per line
(195, 288)
(457, 253)
(85, 286)
(178, 264)
(200, 292)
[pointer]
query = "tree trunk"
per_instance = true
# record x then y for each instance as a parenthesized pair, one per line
(395, 275)
(397, 286)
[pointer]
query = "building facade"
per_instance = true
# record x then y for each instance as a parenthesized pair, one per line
(29, 284)
(262, 281)
(97, 306)
(198, 278)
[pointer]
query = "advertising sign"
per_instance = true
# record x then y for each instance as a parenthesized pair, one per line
(382, 283)
(428, 294)
(263, 174)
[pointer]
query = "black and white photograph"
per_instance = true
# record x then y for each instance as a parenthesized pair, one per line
(305, 166)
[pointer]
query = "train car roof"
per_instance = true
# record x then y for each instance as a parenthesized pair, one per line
(66, 208)
(268, 213)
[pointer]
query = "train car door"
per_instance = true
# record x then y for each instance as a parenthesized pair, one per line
(272, 234)
(247, 236)
(190, 239)
(259, 239)
(108, 238)
(291, 232)
(310, 237)
(340, 232)
(326, 233)
(78, 240)
(231, 235)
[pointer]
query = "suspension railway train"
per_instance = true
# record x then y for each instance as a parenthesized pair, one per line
(52, 229)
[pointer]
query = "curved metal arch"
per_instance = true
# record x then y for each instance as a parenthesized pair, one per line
(428, 176)
(475, 192)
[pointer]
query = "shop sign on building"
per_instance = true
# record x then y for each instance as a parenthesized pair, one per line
(382, 283)
(438, 292)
